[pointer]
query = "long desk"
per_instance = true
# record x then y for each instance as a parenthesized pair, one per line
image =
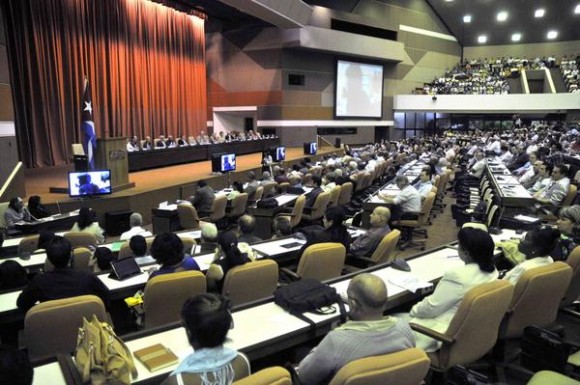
(141, 160)
(52, 223)
(264, 216)
(507, 188)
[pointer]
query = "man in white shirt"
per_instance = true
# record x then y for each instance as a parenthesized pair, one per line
(477, 169)
(132, 144)
(552, 196)
(424, 184)
(136, 223)
(407, 204)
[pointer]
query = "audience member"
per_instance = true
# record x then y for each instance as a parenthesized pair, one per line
(16, 212)
(237, 189)
(281, 227)
(334, 229)
(209, 239)
(436, 311)
(12, 275)
(367, 333)
(167, 250)
(138, 246)
(366, 243)
(424, 185)
(252, 186)
(207, 319)
(537, 246)
(203, 198)
(36, 208)
(86, 224)
(136, 223)
(15, 368)
(62, 282)
(227, 256)
(569, 227)
(246, 224)
(316, 191)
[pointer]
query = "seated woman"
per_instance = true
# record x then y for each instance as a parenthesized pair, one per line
(227, 256)
(569, 226)
(36, 208)
(207, 320)
(237, 189)
(437, 310)
(536, 246)
(167, 250)
(334, 229)
(16, 212)
(87, 224)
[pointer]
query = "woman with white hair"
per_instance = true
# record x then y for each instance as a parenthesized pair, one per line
(569, 225)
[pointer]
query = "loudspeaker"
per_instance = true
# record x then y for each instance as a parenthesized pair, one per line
(337, 142)
(117, 222)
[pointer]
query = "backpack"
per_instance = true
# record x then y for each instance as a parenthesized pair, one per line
(267, 203)
(101, 357)
(309, 295)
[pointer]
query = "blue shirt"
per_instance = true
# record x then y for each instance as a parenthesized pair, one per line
(187, 264)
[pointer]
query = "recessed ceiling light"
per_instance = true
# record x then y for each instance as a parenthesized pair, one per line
(449, 1)
(540, 12)
(516, 37)
(577, 9)
(467, 19)
(482, 39)
(552, 34)
(502, 16)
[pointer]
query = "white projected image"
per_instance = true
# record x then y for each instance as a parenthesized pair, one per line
(359, 90)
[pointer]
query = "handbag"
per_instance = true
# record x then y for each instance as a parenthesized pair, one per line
(544, 350)
(309, 295)
(101, 357)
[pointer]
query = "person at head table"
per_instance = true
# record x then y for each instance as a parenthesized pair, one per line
(367, 333)
(207, 319)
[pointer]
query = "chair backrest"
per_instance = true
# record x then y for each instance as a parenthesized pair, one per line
(218, 208)
(251, 281)
(268, 188)
(283, 187)
(239, 204)
(570, 196)
(52, 327)
(345, 194)
(426, 208)
(259, 193)
(28, 244)
(3, 208)
(80, 239)
(81, 258)
(320, 205)
(537, 297)
(474, 327)
(407, 367)
(307, 179)
(297, 210)
(573, 291)
(188, 218)
(491, 215)
(322, 261)
(188, 243)
(165, 295)
(275, 375)
(334, 195)
(385, 251)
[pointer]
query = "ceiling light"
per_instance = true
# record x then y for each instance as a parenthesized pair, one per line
(540, 12)
(502, 16)
(516, 37)
(577, 9)
(448, 1)
(467, 19)
(552, 34)
(482, 39)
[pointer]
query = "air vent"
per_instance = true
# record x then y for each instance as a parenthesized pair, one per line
(296, 79)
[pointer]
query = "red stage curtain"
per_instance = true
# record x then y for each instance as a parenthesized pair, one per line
(145, 63)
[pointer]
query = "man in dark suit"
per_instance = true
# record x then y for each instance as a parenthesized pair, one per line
(203, 198)
(315, 191)
(62, 282)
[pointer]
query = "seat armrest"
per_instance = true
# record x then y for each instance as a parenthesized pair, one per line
(290, 274)
(359, 261)
(431, 333)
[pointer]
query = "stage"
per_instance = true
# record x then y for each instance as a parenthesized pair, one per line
(151, 186)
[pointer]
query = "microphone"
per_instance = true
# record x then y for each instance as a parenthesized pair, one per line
(58, 206)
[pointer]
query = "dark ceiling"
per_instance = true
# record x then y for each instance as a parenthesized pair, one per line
(559, 16)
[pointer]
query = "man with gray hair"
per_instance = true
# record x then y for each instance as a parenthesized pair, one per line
(247, 223)
(368, 333)
(209, 239)
(136, 223)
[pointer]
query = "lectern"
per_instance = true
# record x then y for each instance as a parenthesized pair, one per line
(112, 154)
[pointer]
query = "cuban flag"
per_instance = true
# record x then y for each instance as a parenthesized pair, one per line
(88, 126)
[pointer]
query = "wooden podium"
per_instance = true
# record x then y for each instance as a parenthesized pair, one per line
(112, 154)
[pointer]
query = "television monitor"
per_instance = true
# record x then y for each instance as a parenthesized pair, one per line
(358, 90)
(279, 154)
(228, 162)
(310, 148)
(89, 183)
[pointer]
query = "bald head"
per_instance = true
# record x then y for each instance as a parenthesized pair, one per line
(380, 216)
(367, 295)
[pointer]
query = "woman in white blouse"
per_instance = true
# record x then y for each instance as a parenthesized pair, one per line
(87, 224)
(537, 246)
(437, 310)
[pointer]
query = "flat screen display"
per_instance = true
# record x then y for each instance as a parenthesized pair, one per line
(310, 148)
(89, 183)
(359, 90)
(228, 162)
(280, 154)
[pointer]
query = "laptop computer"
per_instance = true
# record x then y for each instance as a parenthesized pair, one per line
(124, 268)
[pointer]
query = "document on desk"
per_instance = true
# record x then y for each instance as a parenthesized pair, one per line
(279, 246)
(526, 218)
(409, 282)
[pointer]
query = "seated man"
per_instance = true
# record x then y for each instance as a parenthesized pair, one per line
(367, 333)
(281, 227)
(209, 239)
(364, 245)
(136, 223)
(247, 223)
(552, 196)
(424, 184)
(203, 198)
(62, 282)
